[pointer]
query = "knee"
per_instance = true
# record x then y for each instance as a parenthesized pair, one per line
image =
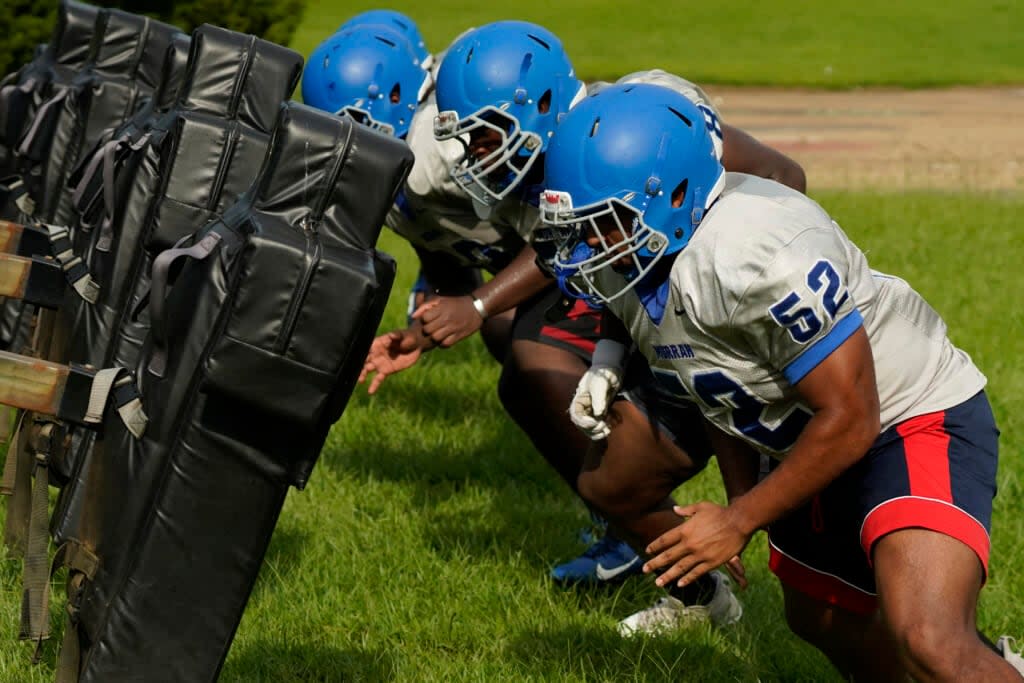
(609, 497)
(931, 649)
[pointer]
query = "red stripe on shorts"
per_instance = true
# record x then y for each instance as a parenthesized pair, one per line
(926, 448)
(821, 586)
(925, 513)
(570, 338)
(581, 309)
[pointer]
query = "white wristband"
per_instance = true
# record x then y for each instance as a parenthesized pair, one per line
(479, 306)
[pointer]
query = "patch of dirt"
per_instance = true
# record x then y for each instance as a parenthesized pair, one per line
(955, 139)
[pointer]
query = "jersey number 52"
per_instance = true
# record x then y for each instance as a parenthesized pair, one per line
(802, 321)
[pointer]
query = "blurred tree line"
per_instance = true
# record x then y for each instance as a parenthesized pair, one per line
(28, 23)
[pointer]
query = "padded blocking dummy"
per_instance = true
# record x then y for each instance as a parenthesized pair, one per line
(198, 159)
(124, 67)
(260, 324)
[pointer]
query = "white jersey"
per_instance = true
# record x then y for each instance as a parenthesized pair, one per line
(435, 214)
(766, 289)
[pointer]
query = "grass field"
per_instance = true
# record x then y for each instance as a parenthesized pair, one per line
(420, 549)
(787, 42)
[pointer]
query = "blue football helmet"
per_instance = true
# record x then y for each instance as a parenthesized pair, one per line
(367, 72)
(398, 22)
(511, 79)
(637, 160)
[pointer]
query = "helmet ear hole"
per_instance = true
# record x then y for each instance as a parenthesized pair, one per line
(679, 194)
(396, 94)
(544, 103)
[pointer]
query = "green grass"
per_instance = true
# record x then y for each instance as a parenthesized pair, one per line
(838, 44)
(420, 550)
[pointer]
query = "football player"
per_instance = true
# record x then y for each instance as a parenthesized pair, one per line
(370, 72)
(471, 197)
(749, 301)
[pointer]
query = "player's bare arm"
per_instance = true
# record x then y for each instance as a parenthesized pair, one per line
(450, 319)
(843, 396)
(744, 153)
(738, 462)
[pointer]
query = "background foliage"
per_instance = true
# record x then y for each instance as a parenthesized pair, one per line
(28, 23)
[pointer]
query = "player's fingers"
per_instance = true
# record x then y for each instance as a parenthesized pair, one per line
(694, 573)
(424, 307)
(666, 540)
(434, 329)
(673, 555)
(599, 395)
(378, 379)
(688, 510)
(580, 407)
(450, 340)
(674, 571)
(737, 571)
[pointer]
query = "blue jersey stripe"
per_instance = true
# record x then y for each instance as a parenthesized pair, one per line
(809, 359)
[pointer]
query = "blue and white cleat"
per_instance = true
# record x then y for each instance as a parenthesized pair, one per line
(607, 560)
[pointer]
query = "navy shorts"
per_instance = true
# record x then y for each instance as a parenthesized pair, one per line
(551, 318)
(935, 471)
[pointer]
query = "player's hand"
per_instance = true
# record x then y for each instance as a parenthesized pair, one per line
(594, 394)
(448, 319)
(708, 538)
(390, 353)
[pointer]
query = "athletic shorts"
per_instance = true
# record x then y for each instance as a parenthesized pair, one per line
(935, 471)
(554, 319)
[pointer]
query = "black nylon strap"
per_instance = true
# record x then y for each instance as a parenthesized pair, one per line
(158, 295)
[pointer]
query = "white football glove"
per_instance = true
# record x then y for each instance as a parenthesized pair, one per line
(597, 389)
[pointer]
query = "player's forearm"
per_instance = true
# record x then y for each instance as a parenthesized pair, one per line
(743, 153)
(832, 441)
(514, 284)
(738, 463)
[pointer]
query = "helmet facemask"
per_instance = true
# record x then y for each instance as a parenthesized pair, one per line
(587, 240)
(364, 117)
(490, 178)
